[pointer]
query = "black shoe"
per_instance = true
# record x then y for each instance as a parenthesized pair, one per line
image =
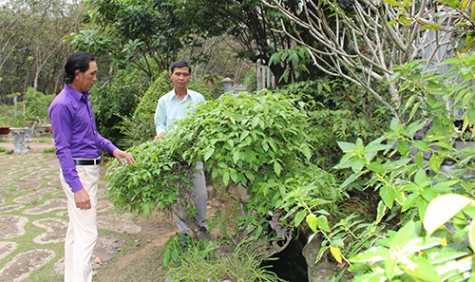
(204, 230)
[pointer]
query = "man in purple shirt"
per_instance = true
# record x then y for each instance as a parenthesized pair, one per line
(78, 146)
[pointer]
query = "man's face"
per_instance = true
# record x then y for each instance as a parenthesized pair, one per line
(180, 77)
(85, 80)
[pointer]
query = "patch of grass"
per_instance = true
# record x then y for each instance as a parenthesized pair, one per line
(242, 264)
(49, 151)
(43, 139)
(3, 150)
(3, 140)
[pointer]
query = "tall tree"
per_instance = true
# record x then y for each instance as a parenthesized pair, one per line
(32, 46)
(132, 32)
(250, 22)
(363, 40)
(151, 33)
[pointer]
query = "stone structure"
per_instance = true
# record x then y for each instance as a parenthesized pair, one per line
(19, 136)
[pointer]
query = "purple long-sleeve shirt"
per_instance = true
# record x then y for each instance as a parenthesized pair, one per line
(75, 133)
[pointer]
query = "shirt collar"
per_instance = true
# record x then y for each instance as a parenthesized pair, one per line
(76, 94)
(187, 96)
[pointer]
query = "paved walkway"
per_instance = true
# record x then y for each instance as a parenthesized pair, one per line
(33, 217)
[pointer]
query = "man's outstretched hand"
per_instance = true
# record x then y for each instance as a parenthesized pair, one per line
(119, 155)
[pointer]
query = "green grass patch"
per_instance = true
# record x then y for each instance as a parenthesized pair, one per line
(49, 151)
(43, 139)
(241, 264)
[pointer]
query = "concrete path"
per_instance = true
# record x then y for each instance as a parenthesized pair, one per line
(33, 217)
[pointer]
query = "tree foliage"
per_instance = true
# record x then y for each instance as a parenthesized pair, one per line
(413, 167)
(32, 49)
(117, 98)
(362, 41)
(151, 34)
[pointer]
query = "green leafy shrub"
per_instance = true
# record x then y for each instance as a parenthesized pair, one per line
(114, 99)
(421, 251)
(240, 265)
(32, 110)
(335, 114)
(258, 141)
(37, 104)
(415, 162)
(140, 126)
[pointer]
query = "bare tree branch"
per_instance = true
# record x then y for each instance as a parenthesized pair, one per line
(364, 42)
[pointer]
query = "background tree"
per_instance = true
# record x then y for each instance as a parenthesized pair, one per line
(363, 40)
(150, 34)
(31, 43)
(251, 23)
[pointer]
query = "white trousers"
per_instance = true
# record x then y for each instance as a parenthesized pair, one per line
(81, 234)
(199, 194)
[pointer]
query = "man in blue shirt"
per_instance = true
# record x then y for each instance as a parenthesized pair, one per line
(77, 147)
(174, 106)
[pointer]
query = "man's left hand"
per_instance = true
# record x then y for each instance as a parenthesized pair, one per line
(119, 155)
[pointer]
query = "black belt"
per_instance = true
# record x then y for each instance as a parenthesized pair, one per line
(87, 161)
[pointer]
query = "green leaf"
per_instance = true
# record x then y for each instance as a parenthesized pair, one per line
(387, 194)
(420, 178)
(357, 165)
(351, 179)
(403, 236)
(423, 270)
(299, 217)
(322, 224)
(376, 167)
(312, 222)
(306, 151)
(382, 209)
(359, 145)
(471, 235)
(410, 201)
(209, 152)
(390, 267)
(244, 134)
(373, 254)
(255, 121)
(410, 101)
(226, 178)
(236, 157)
(277, 168)
(346, 146)
(435, 162)
(442, 209)
(403, 148)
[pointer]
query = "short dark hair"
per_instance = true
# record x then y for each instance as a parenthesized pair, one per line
(77, 61)
(180, 64)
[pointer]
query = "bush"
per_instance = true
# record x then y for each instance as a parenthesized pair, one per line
(116, 99)
(37, 105)
(335, 114)
(423, 175)
(258, 141)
